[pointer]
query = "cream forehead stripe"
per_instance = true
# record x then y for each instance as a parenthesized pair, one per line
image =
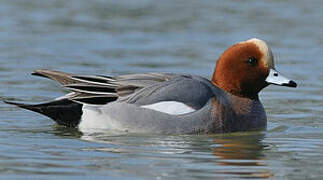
(268, 58)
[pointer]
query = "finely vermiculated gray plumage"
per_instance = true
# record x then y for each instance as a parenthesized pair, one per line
(119, 99)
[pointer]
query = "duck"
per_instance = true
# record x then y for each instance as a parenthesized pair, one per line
(169, 103)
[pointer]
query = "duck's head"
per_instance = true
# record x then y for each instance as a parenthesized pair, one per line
(246, 68)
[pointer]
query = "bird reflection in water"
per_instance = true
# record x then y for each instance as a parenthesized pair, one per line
(233, 155)
(243, 153)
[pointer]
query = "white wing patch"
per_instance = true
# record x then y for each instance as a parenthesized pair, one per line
(170, 107)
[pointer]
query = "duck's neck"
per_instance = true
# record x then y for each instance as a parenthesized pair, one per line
(235, 90)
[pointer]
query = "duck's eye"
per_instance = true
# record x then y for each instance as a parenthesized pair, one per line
(252, 61)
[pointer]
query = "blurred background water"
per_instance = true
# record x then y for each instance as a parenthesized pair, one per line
(117, 37)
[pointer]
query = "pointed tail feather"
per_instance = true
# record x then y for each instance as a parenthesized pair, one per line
(61, 77)
(88, 89)
(64, 112)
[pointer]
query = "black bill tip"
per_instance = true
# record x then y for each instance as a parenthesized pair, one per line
(290, 84)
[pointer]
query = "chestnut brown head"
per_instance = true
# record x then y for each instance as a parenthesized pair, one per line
(246, 68)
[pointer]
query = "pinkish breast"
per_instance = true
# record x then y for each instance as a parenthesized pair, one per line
(233, 113)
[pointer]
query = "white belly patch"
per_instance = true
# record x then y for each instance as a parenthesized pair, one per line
(170, 107)
(93, 118)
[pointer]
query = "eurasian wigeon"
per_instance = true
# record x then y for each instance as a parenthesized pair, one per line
(167, 103)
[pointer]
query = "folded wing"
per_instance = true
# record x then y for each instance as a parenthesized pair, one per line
(98, 89)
